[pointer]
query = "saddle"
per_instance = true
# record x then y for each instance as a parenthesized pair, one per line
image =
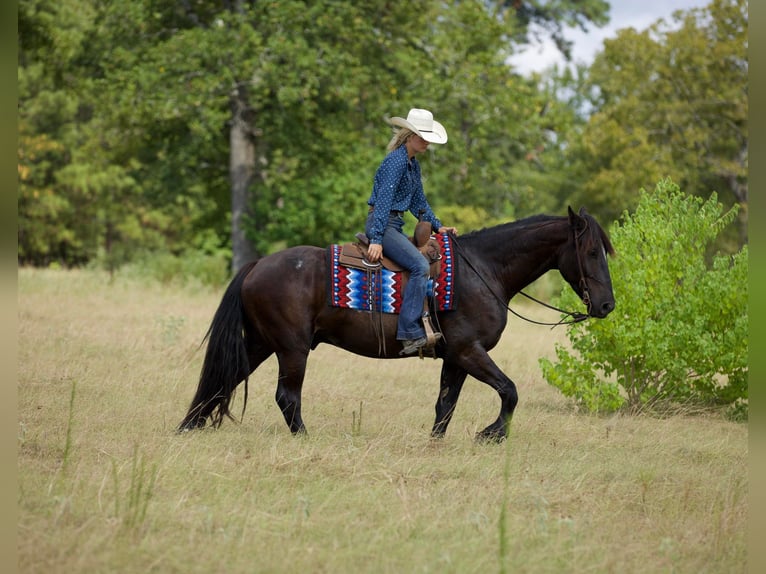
(355, 254)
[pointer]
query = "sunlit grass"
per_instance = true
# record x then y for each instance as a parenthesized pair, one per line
(106, 485)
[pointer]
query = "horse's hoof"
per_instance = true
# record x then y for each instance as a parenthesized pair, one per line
(191, 425)
(491, 436)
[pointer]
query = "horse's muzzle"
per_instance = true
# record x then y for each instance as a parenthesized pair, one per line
(601, 311)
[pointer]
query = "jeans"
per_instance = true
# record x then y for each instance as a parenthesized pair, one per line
(398, 247)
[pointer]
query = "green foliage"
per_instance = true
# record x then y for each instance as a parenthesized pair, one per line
(668, 102)
(679, 333)
(50, 34)
(193, 267)
(468, 218)
(125, 110)
(580, 380)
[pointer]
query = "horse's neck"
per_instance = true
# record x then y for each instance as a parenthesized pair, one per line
(520, 255)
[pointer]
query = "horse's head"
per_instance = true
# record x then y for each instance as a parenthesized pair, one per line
(583, 263)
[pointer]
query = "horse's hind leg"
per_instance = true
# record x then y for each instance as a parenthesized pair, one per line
(452, 379)
(292, 369)
(257, 353)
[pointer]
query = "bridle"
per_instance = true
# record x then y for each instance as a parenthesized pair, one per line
(576, 317)
(583, 283)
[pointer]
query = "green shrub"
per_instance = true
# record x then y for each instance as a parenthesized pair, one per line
(192, 268)
(679, 333)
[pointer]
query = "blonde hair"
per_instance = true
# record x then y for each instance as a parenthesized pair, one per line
(400, 136)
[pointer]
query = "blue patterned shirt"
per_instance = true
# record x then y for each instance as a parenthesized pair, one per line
(398, 187)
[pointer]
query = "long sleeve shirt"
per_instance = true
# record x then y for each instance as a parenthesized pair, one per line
(398, 187)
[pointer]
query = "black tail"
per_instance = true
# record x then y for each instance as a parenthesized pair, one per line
(226, 363)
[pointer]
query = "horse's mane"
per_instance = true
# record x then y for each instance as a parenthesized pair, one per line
(516, 230)
(509, 230)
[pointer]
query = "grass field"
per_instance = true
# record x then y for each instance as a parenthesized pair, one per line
(106, 485)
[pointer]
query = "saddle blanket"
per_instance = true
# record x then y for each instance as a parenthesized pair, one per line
(381, 289)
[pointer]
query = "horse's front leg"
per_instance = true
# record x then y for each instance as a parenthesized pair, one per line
(451, 383)
(478, 364)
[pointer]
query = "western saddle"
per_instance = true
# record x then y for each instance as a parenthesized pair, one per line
(355, 255)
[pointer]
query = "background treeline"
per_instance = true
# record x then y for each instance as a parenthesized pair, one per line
(229, 128)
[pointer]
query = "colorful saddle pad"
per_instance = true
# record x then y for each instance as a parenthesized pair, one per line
(381, 290)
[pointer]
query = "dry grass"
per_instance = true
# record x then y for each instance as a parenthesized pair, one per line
(105, 485)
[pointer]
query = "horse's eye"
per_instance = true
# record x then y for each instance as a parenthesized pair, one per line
(593, 253)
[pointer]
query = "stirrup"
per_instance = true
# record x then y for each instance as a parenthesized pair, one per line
(432, 336)
(411, 346)
(427, 343)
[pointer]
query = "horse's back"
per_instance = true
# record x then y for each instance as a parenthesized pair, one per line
(286, 285)
(294, 271)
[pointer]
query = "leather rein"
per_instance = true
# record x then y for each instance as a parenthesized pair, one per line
(576, 317)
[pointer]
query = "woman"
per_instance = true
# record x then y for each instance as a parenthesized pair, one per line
(398, 188)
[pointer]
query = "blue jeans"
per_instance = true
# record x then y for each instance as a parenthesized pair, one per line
(398, 247)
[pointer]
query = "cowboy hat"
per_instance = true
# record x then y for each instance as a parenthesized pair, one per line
(422, 122)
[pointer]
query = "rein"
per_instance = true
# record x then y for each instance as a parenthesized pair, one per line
(576, 316)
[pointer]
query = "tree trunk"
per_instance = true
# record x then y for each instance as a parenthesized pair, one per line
(242, 172)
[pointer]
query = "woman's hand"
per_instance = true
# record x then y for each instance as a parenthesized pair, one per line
(452, 230)
(374, 252)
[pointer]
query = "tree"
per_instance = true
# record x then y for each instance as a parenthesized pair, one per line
(679, 332)
(50, 34)
(84, 155)
(258, 124)
(548, 17)
(668, 102)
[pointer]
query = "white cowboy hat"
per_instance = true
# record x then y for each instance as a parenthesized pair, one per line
(422, 122)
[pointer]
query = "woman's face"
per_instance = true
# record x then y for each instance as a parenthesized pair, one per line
(417, 144)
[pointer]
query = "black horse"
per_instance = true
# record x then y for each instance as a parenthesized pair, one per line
(278, 305)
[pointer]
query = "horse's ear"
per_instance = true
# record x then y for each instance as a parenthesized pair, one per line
(582, 212)
(575, 220)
